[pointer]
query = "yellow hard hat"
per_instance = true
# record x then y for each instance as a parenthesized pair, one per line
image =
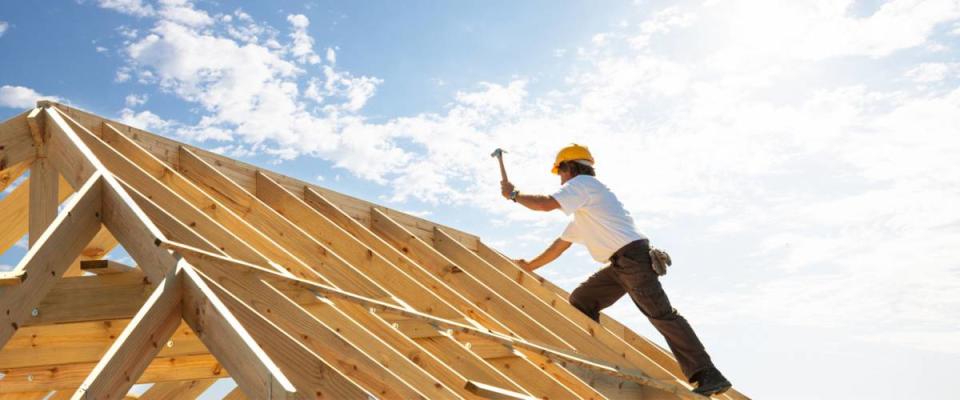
(572, 152)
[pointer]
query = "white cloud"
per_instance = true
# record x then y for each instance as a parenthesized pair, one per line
(131, 7)
(183, 12)
(133, 100)
(302, 47)
(21, 97)
(144, 120)
(3, 27)
(930, 72)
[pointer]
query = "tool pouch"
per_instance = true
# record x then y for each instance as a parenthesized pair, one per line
(659, 260)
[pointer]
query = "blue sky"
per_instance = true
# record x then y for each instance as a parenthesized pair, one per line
(796, 158)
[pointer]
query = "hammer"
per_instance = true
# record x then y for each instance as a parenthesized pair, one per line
(498, 153)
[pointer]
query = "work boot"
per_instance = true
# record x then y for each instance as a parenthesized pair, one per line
(710, 382)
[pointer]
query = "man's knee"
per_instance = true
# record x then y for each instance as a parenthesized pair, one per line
(585, 305)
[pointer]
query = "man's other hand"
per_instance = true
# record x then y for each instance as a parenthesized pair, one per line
(506, 188)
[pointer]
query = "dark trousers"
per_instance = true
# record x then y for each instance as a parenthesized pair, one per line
(630, 272)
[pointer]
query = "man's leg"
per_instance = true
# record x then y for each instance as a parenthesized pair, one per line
(599, 291)
(643, 285)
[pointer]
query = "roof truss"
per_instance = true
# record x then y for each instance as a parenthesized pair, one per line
(291, 290)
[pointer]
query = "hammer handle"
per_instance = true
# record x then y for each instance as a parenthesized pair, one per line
(503, 171)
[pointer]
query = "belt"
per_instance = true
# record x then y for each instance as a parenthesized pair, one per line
(628, 246)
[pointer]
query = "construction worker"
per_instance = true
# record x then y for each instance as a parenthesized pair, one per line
(603, 225)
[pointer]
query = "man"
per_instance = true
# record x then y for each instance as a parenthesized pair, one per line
(603, 225)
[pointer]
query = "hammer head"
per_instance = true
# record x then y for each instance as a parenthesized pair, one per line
(498, 153)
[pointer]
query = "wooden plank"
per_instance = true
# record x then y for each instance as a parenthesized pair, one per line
(229, 341)
(75, 164)
(81, 343)
(46, 261)
(494, 393)
(15, 211)
(104, 267)
(91, 298)
(36, 122)
(43, 197)
(177, 390)
(16, 142)
(365, 362)
(141, 340)
(12, 278)
(69, 376)
(12, 172)
(24, 396)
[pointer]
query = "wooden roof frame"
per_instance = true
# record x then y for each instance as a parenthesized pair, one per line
(290, 289)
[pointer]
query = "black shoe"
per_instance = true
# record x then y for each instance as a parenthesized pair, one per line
(710, 382)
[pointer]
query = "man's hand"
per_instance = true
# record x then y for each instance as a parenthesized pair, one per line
(506, 188)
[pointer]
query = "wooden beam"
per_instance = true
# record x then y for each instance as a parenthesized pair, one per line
(81, 343)
(12, 172)
(75, 163)
(43, 197)
(494, 393)
(36, 122)
(230, 342)
(15, 211)
(69, 376)
(141, 341)
(177, 390)
(46, 261)
(104, 267)
(16, 142)
(12, 278)
(91, 298)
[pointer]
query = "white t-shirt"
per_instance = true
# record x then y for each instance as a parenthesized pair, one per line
(600, 222)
